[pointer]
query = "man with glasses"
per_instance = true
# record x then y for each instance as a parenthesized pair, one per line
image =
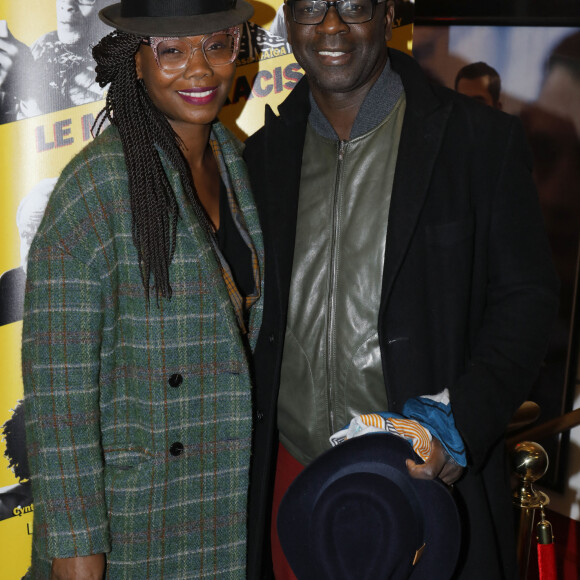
(405, 256)
(57, 71)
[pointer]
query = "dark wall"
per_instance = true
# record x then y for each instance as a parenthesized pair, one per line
(563, 10)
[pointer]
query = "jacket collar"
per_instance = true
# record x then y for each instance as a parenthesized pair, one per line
(379, 102)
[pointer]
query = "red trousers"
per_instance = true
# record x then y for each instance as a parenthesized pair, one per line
(287, 469)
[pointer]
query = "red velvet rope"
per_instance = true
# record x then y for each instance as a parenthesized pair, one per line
(547, 562)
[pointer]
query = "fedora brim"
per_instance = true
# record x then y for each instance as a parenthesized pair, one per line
(177, 25)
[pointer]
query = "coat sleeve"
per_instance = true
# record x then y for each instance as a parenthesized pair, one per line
(521, 304)
(63, 315)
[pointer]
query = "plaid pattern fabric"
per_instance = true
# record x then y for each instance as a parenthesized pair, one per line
(241, 304)
(138, 418)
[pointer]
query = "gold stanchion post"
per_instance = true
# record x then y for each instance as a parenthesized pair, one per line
(530, 463)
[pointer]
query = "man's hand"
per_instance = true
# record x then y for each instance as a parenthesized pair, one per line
(438, 465)
(15, 57)
(81, 568)
(84, 88)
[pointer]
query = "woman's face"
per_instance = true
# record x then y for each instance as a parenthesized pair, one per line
(193, 95)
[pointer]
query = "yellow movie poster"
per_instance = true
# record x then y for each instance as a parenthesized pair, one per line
(48, 103)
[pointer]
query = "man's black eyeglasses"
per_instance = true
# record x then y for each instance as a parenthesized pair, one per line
(350, 11)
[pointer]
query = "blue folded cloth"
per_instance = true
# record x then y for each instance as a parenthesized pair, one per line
(434, 413)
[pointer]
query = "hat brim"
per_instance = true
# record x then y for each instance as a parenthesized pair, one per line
(441, 526)
(177, 25)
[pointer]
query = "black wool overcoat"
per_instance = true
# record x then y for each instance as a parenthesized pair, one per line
(469, 292)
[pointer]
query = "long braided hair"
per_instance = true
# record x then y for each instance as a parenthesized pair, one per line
(142, 127)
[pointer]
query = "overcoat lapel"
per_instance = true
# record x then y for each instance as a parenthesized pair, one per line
(283, 165)
(231, 150)
(209, 263)
(421, 138)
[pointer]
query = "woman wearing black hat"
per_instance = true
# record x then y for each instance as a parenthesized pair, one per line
(142, 306)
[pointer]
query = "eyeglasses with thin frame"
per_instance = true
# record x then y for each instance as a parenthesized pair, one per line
(350, 11)
(174, 53)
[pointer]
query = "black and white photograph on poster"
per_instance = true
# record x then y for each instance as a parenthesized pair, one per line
(56, 71)
(534, 73)
(28, 216)
(257, 42)
(15, 499)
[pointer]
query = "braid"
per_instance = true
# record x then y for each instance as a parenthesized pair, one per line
(141, 127)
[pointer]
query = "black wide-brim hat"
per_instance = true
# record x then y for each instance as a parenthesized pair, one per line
(355, 513)
(175, 17)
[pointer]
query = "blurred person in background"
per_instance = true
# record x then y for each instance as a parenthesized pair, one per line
(481, 82)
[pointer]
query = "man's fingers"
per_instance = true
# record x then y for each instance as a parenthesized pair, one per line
(451, 473)
(428, 470)
(5, 60)
(8, 46)
(438, 465)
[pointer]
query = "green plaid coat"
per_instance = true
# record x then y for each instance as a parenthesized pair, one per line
(138, 419)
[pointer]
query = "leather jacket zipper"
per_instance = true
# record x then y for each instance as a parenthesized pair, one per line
(331, 321)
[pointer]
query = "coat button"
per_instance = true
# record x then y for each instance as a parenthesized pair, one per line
(260, 415)
(176, 449)
(175, 380)
(271, 339)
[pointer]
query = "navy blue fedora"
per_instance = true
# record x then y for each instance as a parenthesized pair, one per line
(355, 513)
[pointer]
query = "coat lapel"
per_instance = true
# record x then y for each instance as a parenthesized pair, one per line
(231, 150)
(421, 138)
(285, 137)
(208, 262)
